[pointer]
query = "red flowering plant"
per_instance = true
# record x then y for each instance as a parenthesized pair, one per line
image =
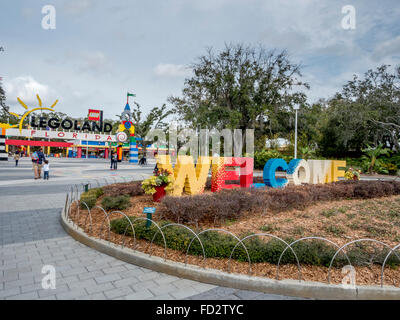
(162, 178)
(352, 174)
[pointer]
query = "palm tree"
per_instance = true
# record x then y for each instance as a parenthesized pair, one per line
(307, 152)
(372, 154)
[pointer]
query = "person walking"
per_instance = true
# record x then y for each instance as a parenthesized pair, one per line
(155, 171)
(37, 160)
(34, 158)
(143, 160)
(115, 161)
(112, 160)
(16, 158)
(46, 170)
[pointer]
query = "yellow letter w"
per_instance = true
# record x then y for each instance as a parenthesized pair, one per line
(187, 177)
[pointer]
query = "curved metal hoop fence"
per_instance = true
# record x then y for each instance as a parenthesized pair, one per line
(224, 231)
(264, 235)
(357, 241)
(159, 229)
(73, 197)
(302, 239)
(187, 228)
(386, 258)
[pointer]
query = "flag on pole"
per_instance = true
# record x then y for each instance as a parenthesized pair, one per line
(129, 95)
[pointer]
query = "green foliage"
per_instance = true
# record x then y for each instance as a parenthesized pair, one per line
(268, 228)
(116, 203)
(163, 178)
(394, 158)
(391, 168)
(153, 120)
(364, 112)
(220, 245)
(242, 87)
(5, 116)
(90, 197)
(261, 157)
(307, 153)
(336, 230)
(97, 191)
(329, 213)
(90, 201)
(372, 154)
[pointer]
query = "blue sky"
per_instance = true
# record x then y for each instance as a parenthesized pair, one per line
(101, 49)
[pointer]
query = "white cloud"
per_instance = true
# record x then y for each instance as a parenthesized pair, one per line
(77, 7)
(95, 62)
(387, 48)
(171, 70)
(26, 88)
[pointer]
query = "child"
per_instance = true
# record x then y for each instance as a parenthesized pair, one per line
(46, 169)
(16, 158)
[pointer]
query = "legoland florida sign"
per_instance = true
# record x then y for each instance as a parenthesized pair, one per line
(60, 135)
(192, 179)
(54, 123)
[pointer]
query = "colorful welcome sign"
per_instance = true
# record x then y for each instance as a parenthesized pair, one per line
(191, 179)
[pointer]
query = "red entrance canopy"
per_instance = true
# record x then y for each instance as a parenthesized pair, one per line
(39, 143)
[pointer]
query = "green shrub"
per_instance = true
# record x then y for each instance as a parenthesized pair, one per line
(391, 168)
(336, 230)
(220, 245)
(90, 197)
(328, 213)
(90, 201)
(117, 203)
(261, 157)
(267, 228)
(133, 188)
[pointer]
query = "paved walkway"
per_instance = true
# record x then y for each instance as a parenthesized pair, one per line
(31, 237)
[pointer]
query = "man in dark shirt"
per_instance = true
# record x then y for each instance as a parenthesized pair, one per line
(39, 163)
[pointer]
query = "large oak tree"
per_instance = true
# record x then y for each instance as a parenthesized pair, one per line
(241, 87)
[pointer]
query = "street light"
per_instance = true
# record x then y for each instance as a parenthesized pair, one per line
(296, 108)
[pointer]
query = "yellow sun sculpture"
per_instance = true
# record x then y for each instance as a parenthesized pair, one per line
(28, 111)
(5, 126)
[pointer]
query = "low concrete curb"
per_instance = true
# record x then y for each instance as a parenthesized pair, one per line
(304, 289)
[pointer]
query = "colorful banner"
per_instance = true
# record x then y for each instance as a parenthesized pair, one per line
(59, 135)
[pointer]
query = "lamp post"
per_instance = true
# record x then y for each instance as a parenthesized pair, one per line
(296, 108)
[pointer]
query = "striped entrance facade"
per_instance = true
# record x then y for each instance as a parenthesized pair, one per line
(3, 153)
(133, 151)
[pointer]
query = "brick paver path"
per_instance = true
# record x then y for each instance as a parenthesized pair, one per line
(31, 236)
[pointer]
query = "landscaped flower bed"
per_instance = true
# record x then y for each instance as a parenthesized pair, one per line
(319, 210)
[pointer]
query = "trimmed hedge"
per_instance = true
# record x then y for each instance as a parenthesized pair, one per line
(219, 245)
(131, 188)
(113, 193)
(90, 197)
(233, 203)
(262, 156)
(117, 203)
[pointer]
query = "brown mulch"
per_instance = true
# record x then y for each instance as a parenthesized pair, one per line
(310, 220)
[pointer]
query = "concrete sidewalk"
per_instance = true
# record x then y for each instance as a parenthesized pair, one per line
(31, 237)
